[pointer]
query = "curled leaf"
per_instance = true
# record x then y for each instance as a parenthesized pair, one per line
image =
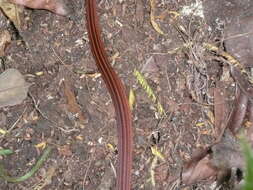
(152, 17)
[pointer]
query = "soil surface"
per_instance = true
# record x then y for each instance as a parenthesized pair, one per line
(69, 107)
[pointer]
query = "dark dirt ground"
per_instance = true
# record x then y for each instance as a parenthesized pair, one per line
(58, 46)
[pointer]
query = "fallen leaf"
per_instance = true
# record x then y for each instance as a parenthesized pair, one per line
(13, 88)
(201, 171)
(5, 39)
(41, 145)
(56, 6)
(2, 131)
(210, 116)
(12, 11)
(65, 150)
(152, 17)
(72, 104)
(238, 113)
(152, 171)
(220, 110)
(111, 147)
(131, 99)
(46, 178)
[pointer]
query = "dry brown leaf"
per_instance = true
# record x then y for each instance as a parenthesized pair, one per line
(12, 11)
(5, 39)
(220, 110)
(65, 150)
(13, 88)
(238, 113)
(201, 171)
(72, 105)
(197, 169)
(56, 6)
(46, 178)
(152, 17)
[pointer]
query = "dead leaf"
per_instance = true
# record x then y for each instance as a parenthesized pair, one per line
(196, 169)
(46, 178)
(56, 6)
(244, 84)
(13, 88)
(5, 39)
(201, 171)
(131, 99)
(249, 124)
(12, 11)
(152, 17)
(41, 145)
(72, 105)
(220, 110)
(213, 162)
(238, 113)
(65, 150)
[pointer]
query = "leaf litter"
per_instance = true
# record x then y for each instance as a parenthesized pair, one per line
(13, 88)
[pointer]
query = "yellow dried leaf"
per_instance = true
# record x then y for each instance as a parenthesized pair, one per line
(210, 116)
(152, 171)
(40, 73)
(152, 17)
(131, 99)
(174, 13)
(200, 124)
(79, 137)
(41, 145)
(91, 75)
(248, 124)
(111, 147)
(2, 131)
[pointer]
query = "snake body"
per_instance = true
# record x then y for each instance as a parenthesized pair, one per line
(118, 95)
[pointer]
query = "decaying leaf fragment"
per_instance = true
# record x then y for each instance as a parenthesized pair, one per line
(12, 11)
(131, 99)
(13, 88)
(72, 104)
(220, 109)
(5, 39)
(152, 17)
(56, 6)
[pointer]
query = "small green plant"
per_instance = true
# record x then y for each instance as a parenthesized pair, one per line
(248, 153)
